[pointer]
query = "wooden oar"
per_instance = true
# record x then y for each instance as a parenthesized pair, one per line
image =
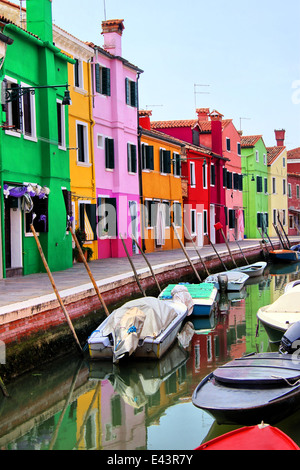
(185, 252)
(133, 268)
(88, 270)
(147, 261)
(195, 248)
(55, 289)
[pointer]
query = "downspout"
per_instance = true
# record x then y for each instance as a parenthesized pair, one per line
(92, 124)
(140, 169)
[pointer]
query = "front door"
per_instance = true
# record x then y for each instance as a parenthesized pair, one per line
(212, 223)
(133, 219)
(13, 236)
(199, 230)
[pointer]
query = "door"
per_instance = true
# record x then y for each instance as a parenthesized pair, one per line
(133, 224)
(199, 229)
(13, 235)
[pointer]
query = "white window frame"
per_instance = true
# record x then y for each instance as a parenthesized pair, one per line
(228, 144)
(32, 136)
(86, 161)
(80, 75)
(284, 186)
(100, 141)
(193, 215)
(129, 157)
(62, 146)
(289, 190)
(204, 176)
(192, 175)
(257, 156)
(273, 185)
(265, 159)
(205, 221)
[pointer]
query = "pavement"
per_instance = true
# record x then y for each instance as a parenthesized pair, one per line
(20, 289)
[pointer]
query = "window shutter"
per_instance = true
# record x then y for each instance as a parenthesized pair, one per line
(150, 157)
(109, 153)
(212, 175)
(240, 182)
(133, 91)
(133, 159)
(106, 81)
(224, 177)
(90, 210)
(97, 78)
(167, 161)
(127, 91)
(161, 166)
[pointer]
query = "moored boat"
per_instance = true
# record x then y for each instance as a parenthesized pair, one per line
(284, 256)
(145, 327)
(253, 270)
(259, 437)
(278, 316)
(254, 388)
(203, 296)
(228, 280)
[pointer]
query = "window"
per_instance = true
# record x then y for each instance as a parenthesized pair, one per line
(229, 180)
(283, 217)
(265, 159)
(99, 141)
(87, 219)
(274, 185)
(259, 184)
(224, 177)
(298, 191)
(284, 187)
(61, 134)
(149, 215)
(257, 155)
(212, 175)
(205, 221)
(20, 111)
(177, 214)
(193, 221)
(231, 216)
(195, 136)
(266, 185)
(147, 157)
(102, 80)
(109, 154)
(238, 148)
(228, 144)
(78, 73)
(275, 216)
(236, 181)
(106, 217)
(176, 164)
(192, 174)
(289, 190)
(131, 158)
(165, 161)
(131, 92)
(82, 143)
(204, 175)
(283, 162)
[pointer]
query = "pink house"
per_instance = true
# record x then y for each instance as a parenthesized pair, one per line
(293, 175)
(115, 103)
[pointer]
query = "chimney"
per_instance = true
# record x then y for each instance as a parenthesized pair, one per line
(112, 31)
(39, 19)
(144, 119)
(216, 132)
(279, 136)
(203, 114)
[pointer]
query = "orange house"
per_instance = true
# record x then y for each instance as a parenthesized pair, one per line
(161, 187)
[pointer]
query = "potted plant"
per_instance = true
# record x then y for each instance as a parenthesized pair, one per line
(87, 251)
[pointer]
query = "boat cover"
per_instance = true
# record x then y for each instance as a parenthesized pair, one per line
(136, 320)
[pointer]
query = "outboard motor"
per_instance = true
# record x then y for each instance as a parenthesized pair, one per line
(223, 282)
(290, 341)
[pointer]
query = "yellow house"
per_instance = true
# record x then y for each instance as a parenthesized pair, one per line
(162, 201)
(277, 188)
(80, 135)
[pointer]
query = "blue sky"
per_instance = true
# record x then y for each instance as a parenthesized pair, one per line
(247, 52)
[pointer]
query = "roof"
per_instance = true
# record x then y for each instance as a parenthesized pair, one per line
(205, 126)
(248, 141)
(294, 153)
(273, 153)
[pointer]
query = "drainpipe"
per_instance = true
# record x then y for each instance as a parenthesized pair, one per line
(140, 169)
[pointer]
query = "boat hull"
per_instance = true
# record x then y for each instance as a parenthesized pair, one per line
(203, 296)
(253, 270)
(236, 280)
(100, 347)
(250, 390)
(284, 256)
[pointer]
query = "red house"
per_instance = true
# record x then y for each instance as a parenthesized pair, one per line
(293, 177)
(204, 170)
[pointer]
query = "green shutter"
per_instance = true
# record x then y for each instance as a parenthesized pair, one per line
(97, 78)
(149, 157)
(127, 91)
(109, 153)
(106, 81)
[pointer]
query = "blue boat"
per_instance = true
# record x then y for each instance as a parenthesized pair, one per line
(203, 296)
(284, 256)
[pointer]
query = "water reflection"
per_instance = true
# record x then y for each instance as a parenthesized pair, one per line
(140, 405)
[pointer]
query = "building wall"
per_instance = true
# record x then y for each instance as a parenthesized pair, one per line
(294, 203)
(277, 200)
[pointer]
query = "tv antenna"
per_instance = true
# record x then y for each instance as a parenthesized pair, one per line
(104, 5)
(249, 119)
(199, 92)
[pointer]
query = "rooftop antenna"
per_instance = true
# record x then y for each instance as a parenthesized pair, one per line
(104, 10)
(21, 13)
(199, 92)
(249, 119)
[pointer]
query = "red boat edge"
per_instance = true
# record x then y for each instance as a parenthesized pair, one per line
(258, 437)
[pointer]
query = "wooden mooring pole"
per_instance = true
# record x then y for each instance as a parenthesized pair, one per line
(89, 271)
(195, 248)
(148, 263)
(133, 268)
(185, 252)
(55, 289)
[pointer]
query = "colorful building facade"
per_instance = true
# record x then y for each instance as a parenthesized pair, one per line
(115, 114)
(255, 185)
(35, 174)
(293, 175)
(162, 159)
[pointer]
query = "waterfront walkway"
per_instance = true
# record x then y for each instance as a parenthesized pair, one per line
(17, 290)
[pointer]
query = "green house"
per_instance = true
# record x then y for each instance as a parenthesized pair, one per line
(34, 157)
(255, 184)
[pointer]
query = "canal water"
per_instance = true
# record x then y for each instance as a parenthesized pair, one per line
(73, 404)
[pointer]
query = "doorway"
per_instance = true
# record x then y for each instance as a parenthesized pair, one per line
(13, 236)
(212, 223)
(199, 229)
